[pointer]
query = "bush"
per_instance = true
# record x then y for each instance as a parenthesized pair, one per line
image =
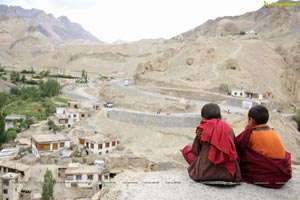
(31, 82)
(297, 118)
(52, 125)
(50, 88)
(11, 134)
(2, 68)
(31, 71)
(14, 91)
(63, 76)
(15, 77)
(242, 32)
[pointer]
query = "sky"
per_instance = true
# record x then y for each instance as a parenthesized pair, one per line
(132, 20)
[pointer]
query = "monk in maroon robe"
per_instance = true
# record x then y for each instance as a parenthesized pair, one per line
(213, 156)
(262, 157)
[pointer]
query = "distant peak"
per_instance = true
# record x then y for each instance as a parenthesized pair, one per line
(64, 19)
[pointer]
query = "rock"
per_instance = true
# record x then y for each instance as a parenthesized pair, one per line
(210, 50)
(169, 53)
(224, 88)
(231, 64)
(189, 61)
(177, 185)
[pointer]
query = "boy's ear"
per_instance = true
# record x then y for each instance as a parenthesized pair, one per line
(251, 121)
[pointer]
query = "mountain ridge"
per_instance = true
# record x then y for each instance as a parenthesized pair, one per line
(58, 30)
(267, 22)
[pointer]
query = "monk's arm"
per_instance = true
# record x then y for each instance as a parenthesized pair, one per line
(242, 140)
(196, 148)
(232, 134)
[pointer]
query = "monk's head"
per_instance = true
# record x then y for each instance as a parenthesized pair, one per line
(211, 111)
(258, 115)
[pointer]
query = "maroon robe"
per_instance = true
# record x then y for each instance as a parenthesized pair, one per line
(259, 169)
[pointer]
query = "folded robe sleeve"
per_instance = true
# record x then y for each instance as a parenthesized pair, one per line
(197, 144)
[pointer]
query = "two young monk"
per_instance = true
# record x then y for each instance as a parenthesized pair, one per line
(256, 156)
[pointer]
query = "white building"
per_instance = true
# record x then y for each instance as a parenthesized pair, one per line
(10, 186)
(50, 142)
(10, 119)
(251, 32)
(99, 143)
(72, 114)
(89, 176)
(238, 93)
(249, 94)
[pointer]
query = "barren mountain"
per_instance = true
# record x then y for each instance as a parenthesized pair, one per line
(20, 41)
(271, 22)
(59, 30)
(190, 64)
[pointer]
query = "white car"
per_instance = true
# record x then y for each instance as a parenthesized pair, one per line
(108, 104)
(126, 83)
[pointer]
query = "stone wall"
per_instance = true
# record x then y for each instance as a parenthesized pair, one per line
(159, 120)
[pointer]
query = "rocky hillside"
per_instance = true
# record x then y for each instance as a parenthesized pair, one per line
(268, 23)
(20, 41)
(58, 30)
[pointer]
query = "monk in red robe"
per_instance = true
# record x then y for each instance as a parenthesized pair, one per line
(213, 156)
(262, 156)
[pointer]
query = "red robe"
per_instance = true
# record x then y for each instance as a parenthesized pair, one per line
(259, 169)
(222, 151)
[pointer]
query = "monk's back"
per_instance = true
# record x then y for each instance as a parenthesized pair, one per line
(267, 142)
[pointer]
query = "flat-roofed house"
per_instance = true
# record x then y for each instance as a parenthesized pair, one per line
(10, 119)
(73, 116)
(85, 176)
(50, 142)
(99, 143)
(73, 104)
(62, 119)
(10, 186)
(97, 106)
(15, 167)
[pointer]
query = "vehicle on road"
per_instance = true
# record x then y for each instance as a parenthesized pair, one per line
(108, 104)
(126, 83)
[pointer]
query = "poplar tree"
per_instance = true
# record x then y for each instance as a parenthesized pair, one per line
(48, 186)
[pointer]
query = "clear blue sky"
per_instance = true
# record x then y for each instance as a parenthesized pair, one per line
(132, 20)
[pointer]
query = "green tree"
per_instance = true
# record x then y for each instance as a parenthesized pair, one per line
(14, 91)
(50, 88)
(15, 76)
(2, 129)
(30, 93)
(10, 134)
(27, 122)
(2, 68)
(23, 79)
(84, 77)
(297, 118)
(53, 126)
(48, 186)
(3, 100)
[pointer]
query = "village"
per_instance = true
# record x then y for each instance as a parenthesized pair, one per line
(83, 158)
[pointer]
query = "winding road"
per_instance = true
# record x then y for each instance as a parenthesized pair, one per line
(87, 99)
(120, 84)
